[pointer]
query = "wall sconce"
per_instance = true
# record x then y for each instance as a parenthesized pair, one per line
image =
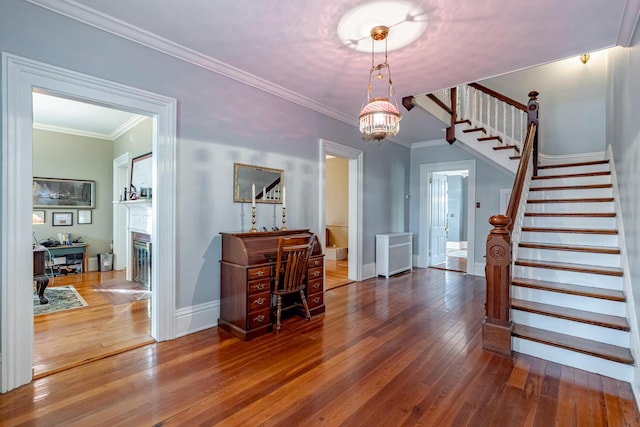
(584, 57)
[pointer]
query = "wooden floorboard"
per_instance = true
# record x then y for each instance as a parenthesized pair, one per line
(387, 352)
(116, 319)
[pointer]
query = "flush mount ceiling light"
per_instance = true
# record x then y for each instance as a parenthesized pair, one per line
(379, 117)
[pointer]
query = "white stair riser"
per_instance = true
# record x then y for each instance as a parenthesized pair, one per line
(571, 194)
(570, 277)
(574, 169)
(587, 258)
(580, 239)
(569, 327)
(595, 305)
(570, 207)
(585, 362)
(574, 222)
(583, 180)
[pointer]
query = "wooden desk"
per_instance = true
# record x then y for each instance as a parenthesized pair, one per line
(73, 249)
(247, 269)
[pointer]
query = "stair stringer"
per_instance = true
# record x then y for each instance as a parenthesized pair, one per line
(499, 158)
(632, 316)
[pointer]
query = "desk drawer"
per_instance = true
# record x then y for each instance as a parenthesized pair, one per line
(315, 300)
(260, 285)
(315, 262)
(258, 302)
(315, 273)
(259, 272)
(314, 286)
(258, 318)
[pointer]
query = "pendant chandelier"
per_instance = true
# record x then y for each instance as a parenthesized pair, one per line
(380, 116)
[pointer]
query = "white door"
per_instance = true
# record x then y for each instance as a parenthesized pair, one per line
(438, 218)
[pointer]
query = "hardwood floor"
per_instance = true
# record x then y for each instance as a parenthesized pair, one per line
(387, 352)
(336, 273)
(116, 319)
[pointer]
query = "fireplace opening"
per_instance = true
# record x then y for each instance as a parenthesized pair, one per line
(141, 262)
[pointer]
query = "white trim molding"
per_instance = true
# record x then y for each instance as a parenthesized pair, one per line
(356, 201)
(20, 76)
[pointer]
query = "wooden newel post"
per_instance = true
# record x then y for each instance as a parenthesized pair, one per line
(497, 326)
(533, 110)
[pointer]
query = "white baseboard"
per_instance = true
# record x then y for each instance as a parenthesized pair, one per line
(197, 318)
(368, 271)
(478, 269)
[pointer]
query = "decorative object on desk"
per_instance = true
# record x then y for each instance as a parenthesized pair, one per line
(253, 220)
(141, 175)
(62, 218)
(84, 216)
(60, 298)
(38, 217)
(56, 192)
(247, 177)
(284, 209)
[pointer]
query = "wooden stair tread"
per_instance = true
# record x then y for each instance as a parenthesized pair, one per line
(572, 187)
(566, 266)
(573, 214)
(574, 248)
(506, 147)
(580, 345)
(568, 165)
(490, 138)
(571, 175)
(606, 231)
(583, 200)
(589, 317)
(474, 130)
(566, 288)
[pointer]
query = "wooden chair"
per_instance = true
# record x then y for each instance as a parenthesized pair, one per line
(291, 270)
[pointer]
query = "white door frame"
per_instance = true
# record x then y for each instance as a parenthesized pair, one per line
(426, 171)
(20, 76)
(121, 171)
(355, 158)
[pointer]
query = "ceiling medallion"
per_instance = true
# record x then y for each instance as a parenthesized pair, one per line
(379, 117)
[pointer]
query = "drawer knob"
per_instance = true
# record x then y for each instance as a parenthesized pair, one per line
(260, 273)
(260, 301)
(259, 319)
(316, 273)
(259, 286)
(316, 300)
(315, 285)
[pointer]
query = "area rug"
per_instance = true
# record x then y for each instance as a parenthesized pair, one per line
(60, 298)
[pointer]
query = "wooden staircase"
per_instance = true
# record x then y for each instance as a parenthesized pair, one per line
(567, 299)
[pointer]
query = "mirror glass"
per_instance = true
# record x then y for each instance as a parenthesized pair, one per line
(268, 184)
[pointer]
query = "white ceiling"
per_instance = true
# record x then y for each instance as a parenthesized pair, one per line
(292, 48)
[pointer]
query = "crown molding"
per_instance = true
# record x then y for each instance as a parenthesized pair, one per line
(117, 133)
(628, 23)
(104, 22)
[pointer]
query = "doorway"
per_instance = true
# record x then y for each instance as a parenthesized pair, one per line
(19, 77)
(355, 202)
(448, 220)
(76, 139)
(447, 241)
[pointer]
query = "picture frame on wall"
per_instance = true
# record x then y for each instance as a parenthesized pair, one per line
(39, 216)
(141, 176)
(60, 192)
(62, 218)
(85, 216)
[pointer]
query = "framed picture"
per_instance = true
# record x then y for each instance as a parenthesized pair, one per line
(62, 218)
(84, 216)
(38, 217)
(141, 175)
(56, 192)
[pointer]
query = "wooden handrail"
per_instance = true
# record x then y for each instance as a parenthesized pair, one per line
(501, 97)
(497, 326)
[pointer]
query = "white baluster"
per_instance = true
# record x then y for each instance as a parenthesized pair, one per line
(504, 121)
(513, 123)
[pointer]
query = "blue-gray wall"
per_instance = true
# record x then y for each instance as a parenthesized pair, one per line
(220, 121)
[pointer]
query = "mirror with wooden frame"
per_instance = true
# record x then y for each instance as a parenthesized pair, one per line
(268, 183)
